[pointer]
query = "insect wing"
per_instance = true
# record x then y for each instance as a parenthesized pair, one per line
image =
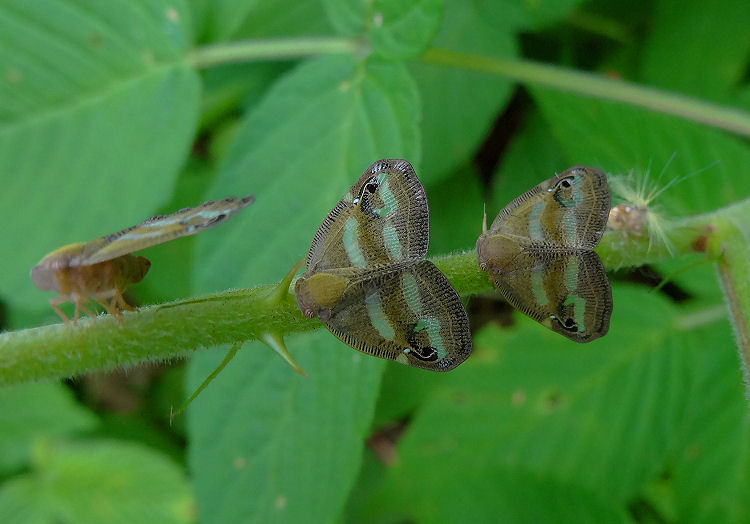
(406, 312)
(570, 294)
(160, 229)
(382, 219)
(568, 211)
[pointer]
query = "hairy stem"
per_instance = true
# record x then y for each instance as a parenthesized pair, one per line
(272, 49)
(524, 71)
(597, 86)
(172, 330)
(733, 266)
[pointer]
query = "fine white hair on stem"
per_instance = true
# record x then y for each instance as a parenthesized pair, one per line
(636, 214)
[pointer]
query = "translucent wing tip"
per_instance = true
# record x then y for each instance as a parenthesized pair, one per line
(247, 200)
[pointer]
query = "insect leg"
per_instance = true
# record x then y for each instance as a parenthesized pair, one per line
(54, 301)
(77, 313)
(121, 301)
(111, 306)
(87, 310)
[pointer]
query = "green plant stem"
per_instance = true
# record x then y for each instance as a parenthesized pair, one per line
(733, 266)
(597, 86)
(173, 330)
(523, 71)
(272, 49)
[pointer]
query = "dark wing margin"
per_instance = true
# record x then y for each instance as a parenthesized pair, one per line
(406, 312)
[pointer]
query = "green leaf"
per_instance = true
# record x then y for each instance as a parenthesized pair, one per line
(459, 106)
(734, 275)
(455, 213)
(31, 411)
(269, 445)
(404, 28)
(97, 481)
(348, 17)
(402, 391)
(532, 156)
(516, 495)
(676, 56)
(618, 138)
(103, 481)
(237, 19)
(397, 29)
(712, 462)
(97, 110)
(531, 409)
(234, 87)
(218, 19)
(525, 15)
(22, 501)
(299, 151)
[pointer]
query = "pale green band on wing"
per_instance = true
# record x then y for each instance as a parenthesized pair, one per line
(535, 225)
(377, 318)
(570, 228)
(432, 325)
(136, 234)
(351, 243)
(579, 310)
(411, 293)
(389, 200)
(571, 274)
(390, 237)
(537, 286)
(578, 190)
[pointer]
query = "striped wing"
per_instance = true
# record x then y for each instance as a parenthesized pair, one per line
(407, 312)
(160, 229)
(569, 294)
(382, 219)
(568, 211)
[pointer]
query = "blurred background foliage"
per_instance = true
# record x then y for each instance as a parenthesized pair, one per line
(105, 120)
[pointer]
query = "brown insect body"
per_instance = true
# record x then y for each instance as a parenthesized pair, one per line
(102, 281)
(103, 268)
